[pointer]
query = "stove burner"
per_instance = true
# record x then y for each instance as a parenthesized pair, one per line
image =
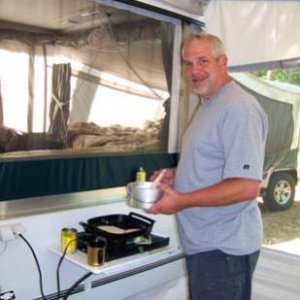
(118, 248)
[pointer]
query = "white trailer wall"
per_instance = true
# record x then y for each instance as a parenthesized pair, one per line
(43, 232)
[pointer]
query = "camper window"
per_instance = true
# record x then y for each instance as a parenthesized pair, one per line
(81, 77)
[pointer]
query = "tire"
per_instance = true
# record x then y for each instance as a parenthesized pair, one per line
(280, 192)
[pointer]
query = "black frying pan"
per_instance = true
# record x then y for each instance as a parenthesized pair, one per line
(129, 226)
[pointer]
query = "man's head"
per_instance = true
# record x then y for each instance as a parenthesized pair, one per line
(205, 64)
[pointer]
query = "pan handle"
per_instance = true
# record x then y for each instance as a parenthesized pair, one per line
(87, 226)
(143, 218)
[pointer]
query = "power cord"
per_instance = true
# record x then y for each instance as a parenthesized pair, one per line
(37, 264)
(58, 268)
(70, 290)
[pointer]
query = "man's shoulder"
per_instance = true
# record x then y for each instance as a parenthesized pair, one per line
(239, 97)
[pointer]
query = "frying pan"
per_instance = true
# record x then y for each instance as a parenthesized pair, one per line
(133, 225)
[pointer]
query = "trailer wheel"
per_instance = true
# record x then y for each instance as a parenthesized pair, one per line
(280, 192)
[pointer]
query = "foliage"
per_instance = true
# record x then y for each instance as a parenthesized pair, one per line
(291, 76)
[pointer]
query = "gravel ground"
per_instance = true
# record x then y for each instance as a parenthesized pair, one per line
(283, 226)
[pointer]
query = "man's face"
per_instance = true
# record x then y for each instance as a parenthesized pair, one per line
(206, 73)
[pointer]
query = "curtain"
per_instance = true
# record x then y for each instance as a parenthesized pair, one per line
(167, 35)
(30, 88)
(60, 101)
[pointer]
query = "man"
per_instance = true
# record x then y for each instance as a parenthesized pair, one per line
(214, 187)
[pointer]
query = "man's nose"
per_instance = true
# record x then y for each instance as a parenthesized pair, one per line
(196, 68)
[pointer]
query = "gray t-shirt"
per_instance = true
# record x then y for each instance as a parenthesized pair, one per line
(226, 139)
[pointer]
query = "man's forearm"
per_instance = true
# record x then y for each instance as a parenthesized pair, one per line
(228, 192)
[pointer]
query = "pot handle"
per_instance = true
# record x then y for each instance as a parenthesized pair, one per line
(128, 189)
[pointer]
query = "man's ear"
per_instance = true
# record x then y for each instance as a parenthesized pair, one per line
(223, 60)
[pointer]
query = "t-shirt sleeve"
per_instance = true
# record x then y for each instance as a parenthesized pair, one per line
(244, 132)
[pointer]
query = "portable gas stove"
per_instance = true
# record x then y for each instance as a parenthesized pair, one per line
(125, 235)
(129, 247)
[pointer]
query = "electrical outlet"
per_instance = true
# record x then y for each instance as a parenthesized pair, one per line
(11, 232)
(6, 234)
(18, 228)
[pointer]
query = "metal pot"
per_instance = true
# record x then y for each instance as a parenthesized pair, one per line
(143, 194)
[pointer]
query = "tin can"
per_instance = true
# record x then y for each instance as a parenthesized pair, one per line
(96, 252)
(69, 240)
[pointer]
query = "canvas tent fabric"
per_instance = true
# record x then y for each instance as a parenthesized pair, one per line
(59, 107)
(256, 31)
(103, 55)
(272, 24)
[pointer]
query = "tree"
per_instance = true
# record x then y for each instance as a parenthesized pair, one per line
(291, 76)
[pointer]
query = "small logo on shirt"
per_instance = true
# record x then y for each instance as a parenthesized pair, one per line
(246, 167)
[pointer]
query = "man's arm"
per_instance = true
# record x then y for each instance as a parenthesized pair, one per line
(227, 192)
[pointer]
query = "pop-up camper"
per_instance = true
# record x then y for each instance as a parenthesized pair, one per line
(90, 91)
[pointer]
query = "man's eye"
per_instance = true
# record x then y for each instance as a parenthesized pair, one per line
(202, 62)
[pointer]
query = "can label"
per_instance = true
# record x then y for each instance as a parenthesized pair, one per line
(69, 240)
(95, 256)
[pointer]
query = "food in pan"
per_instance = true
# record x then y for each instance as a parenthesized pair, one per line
(116, 230)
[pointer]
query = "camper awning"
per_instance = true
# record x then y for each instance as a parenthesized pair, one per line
(193, 9)
(256, 31)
